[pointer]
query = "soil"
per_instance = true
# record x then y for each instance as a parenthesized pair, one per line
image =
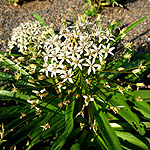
(54, 10)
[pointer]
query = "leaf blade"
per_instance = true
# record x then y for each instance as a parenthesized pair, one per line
(106, 130)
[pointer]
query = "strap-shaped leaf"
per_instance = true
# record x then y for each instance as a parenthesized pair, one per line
(129, 28)
(38, 17)
(68, 128)
(133, 141)
(23, 132)
(83, 137)
(142, 106)
(15, 95)
(17, 122)
(126, 113)
(100, 144)
(55, 127)
(75, 146)
(105, 129)
(11, 65)
(135, 24)
(6, 78)
(143, 94)
(11, 111)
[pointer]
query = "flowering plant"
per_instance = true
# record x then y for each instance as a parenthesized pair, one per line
(69, 87)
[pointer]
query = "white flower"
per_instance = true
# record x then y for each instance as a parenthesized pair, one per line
(107, 50)
(48, 44)
(74, 51)
(127, 56)
(46, 56)
(77, 63)
(53, 69)
(139, 85)
(64, 56)
(53, 56)
(45, 126)
(67, 76)
(120, 68)
(91, 66)
(45, 69)
(108, 36)
(97, 52)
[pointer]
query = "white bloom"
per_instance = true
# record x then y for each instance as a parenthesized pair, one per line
(74, 51)
(97, 52)
(120, 68)
(77, 63)
(140, 84)
(89, 52)
(53, 56)
(91, 66)
(53, 69)
(67, 76)
(45, 69)
(108, 36)
(64, 56)
(46, 56)
(107, 50)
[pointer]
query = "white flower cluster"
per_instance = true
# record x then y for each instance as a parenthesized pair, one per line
(29, 37)
(78, 47)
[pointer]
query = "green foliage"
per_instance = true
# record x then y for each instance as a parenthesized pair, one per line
(38, 17)
(95, 5)
(94, 101)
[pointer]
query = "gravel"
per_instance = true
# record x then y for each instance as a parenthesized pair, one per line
(54, 10)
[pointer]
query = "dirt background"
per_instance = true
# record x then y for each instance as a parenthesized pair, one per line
(54, 10)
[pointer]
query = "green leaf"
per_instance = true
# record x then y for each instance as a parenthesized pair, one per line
(11, 111)
(23, 132)
(144, 57)
(73, 14)
(75, 146)
(68, 128)
(17, 96)
(121, 126)
(17, 122)
(143, 94)
(100, 144)
(5, 76)
(135, 24)
(147, 125)
(14, 67)
(133, 141)
(127, 65)
(120, 100)
(105, 129)
(38, 17)
(83, 137)
(55, 126)
(128, 29)
(111, 27)
(142, 106)
(74, 133)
